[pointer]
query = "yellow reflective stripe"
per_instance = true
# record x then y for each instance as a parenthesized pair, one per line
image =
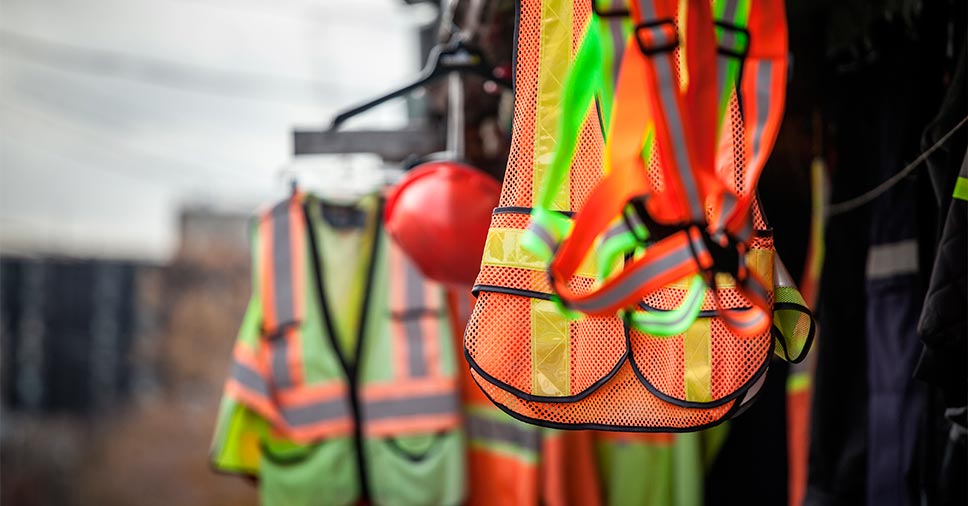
(550, 350)
(759, 261)
(696, 344)
(553, 61)
(503, 249)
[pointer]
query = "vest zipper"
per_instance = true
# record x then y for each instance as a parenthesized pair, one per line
(351, 370)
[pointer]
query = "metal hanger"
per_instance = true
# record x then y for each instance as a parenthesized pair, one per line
(455, 56)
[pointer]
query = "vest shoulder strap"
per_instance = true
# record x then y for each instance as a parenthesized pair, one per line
(281, 265)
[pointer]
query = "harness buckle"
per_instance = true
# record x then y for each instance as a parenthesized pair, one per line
(732, 40)
(657, 36)
(726, 257)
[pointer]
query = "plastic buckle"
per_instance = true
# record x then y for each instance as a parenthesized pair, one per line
(726, 257)
(659, 29)
(605, 13)
(733, 40)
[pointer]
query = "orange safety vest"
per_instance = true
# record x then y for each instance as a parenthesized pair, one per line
(543, 368)
(511, 462)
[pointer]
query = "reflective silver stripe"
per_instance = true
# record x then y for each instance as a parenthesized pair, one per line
(322, 411)
(437, 404)
(780, 273)
(638, 278)
(615, 27)
(545, 236)
(415, 290)
(726, 315)
(722, 65)
(279, 362)
(282, 265)
(688, 306)
(752, 286)
(647, 10)
(764, 74)
(726, 210)
(250, 379)
(634, 219)
(729, 13)
(668, 90)
(893, 259)
(509, 432)
(618, 229)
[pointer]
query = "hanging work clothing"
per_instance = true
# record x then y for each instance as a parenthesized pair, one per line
(657, 469)
(512, 462)
(537, 364)
(943, 324)
(321, 417)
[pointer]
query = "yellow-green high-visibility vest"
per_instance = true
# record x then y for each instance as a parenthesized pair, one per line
(322, 418)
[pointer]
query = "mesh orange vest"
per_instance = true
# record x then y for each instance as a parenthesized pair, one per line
(596, 372)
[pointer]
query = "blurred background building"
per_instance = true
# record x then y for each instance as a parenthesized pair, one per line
(138, 136)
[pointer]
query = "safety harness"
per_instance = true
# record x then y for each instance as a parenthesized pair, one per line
(686, 100)
(598, 315)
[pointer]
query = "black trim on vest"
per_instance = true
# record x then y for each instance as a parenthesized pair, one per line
(731, 413)
(524, 210)
(514, 55)
(739, 392)
(705, 313)
(476, 289)
(538, 398)
(351, 370)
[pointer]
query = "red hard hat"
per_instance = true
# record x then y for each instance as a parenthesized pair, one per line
(439, 214)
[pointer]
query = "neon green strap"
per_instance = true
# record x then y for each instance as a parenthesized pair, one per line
(961, 189)
(676, 321)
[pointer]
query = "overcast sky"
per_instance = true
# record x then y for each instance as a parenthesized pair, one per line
(114, 113)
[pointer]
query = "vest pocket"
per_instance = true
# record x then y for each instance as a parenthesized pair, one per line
(319, 474)
(416, 470)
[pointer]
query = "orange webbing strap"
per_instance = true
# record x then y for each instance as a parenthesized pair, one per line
(688, 166)
(763, 91)
(420, 398)
(282, 278)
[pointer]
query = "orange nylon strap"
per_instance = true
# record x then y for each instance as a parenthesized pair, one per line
(687, 161)
(763, 89)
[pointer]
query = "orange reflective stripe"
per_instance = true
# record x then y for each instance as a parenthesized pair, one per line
(413, 425)
(265, 272)
(763, 90)
(306, 412)
(314, 393)
(406, 389)
(254, 400)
